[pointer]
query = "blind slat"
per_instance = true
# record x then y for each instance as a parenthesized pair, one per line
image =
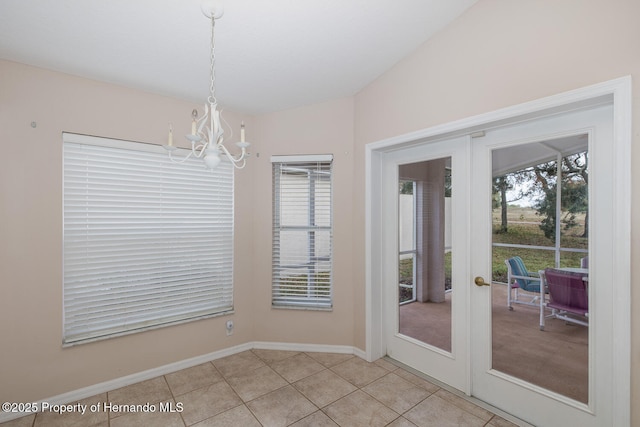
(146, 242)
(302, 232)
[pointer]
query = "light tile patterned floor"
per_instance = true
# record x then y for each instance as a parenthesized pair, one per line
(273, 388)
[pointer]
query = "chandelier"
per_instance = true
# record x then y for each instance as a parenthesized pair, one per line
(207, 133)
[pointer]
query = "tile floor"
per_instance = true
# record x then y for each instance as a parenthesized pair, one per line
(280, 388)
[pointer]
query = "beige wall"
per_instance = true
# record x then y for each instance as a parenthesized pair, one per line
(33, 363)
(325, 128)
(501, 53)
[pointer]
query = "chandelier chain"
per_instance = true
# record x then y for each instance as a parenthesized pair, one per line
(212, 70)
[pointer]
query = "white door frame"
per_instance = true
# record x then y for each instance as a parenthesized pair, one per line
(617, 91)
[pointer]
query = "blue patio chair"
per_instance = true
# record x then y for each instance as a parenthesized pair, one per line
(520, 279)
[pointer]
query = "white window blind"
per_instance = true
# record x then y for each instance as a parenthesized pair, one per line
(302, 231)
(146, 242)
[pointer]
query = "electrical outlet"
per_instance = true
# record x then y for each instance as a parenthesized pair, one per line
(229, 327)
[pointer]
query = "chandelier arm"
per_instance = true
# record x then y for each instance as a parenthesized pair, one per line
(184, 159)
(203, 122)
(238, 162)
(226, 123)
(198, 151)
(228, 154)
(242, 165)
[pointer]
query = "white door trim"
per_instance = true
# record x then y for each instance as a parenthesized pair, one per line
(617, 91)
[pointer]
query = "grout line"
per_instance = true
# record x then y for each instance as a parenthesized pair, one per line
(460, 394)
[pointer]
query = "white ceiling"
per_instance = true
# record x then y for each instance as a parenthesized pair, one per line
(270, 55)
(517, 157)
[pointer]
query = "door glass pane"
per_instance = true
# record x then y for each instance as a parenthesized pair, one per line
(424, 288)
(407, 243)
(541, 217)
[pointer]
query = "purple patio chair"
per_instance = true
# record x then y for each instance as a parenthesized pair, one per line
(568, 296)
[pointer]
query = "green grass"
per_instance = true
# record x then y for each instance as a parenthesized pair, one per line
(406, 275)
(316, 285)
(523, 229)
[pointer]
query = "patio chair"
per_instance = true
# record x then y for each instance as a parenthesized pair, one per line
(568, 296)
(519, 279)
(584, 262)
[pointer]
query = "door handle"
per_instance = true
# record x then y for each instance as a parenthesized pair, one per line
(480, 282)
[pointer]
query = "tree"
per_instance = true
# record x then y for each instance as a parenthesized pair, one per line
(574, 193)
(406, 187)
(575, 196)
(520, 180)
(500, 186)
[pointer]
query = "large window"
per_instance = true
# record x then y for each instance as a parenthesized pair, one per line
(146, 242)
(302, 231)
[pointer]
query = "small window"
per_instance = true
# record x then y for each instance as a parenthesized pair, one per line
(147, 242)
(302, 231)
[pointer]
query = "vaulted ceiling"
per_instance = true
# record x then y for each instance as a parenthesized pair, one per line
(270, 55)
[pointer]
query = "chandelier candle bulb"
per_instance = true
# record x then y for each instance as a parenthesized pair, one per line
(170, 140)
(242, 132)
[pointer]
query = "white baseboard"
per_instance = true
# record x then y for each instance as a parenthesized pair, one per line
(83, 393)
(311, 348)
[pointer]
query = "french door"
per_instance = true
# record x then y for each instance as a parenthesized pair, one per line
(466, 164)
(580, 396)
(438, 231)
